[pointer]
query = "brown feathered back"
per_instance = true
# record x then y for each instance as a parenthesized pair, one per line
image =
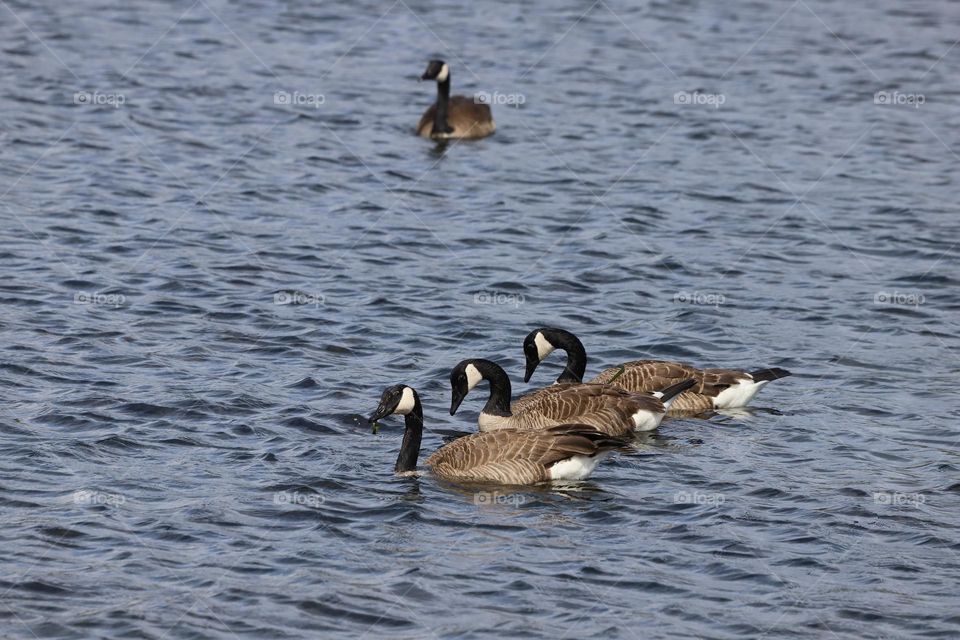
(608, 408)
(515, 457)
(465, 116)
(651, 375)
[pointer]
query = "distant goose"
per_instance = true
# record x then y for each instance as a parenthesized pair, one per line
(564, 452)
(714, 388)
(456, 116)
(609, 409)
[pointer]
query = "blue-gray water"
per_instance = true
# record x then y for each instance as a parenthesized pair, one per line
(181, 456)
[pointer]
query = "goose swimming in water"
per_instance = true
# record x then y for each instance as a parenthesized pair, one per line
(453, 117)
(563, 452)
(608, 408)
(713, 389)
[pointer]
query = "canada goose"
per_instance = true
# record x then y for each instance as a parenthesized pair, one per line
(714, 389)
(609, 409)
(563, 452)
(456, 116)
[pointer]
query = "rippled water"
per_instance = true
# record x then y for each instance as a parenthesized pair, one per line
(182, 453)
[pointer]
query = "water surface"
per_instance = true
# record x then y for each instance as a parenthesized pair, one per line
(207, 285)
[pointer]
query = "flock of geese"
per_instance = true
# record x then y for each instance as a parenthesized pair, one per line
(563, 431)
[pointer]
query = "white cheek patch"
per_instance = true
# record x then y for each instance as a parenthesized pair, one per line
(473, 377)
(544, 348)
(407, 402)
(444, 73)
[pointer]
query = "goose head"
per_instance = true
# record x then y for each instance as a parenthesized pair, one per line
(463, 378)
(403, 400)
(398, 399)
(537, 346)
(436, 70)
(541, 342)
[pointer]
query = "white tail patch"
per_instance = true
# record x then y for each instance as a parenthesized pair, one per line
(738, 395)
(645, 420)
(407, 402)
(576, 467)
(544, 348)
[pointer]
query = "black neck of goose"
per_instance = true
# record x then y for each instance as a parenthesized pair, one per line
(498, 404)
(410, 449)
(440, 124)
(576, 356)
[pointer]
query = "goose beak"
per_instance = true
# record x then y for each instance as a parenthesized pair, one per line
(455, 400)
(531, 367)
(382, 412)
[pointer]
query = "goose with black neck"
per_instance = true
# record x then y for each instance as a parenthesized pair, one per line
(713, 388)
(562, 452)
(609, 409)
(453, 117)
